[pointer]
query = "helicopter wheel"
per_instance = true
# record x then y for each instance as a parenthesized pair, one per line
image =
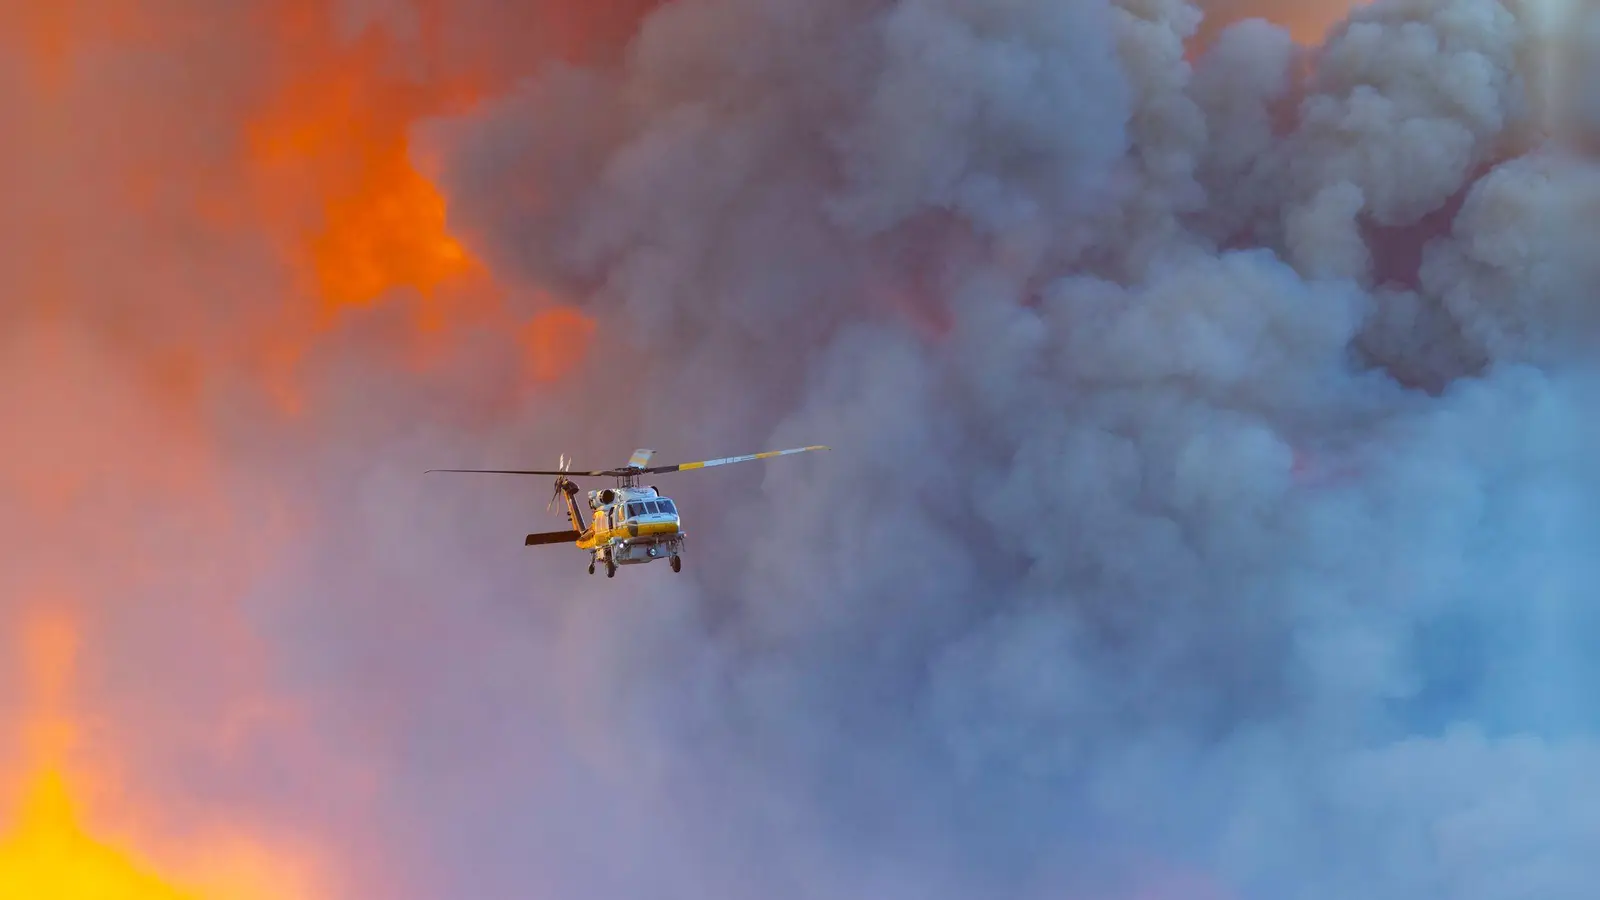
(611, 569)
(591, 567)
(677, 563)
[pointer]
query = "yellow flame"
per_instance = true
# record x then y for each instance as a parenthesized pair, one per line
(49, 856)
(49, 853)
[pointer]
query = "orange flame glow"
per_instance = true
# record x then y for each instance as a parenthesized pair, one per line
(50, 854)
(333, 159)
(1308, 21)
(555, 341)
(339, 127)
(383, 225)
(167, 272)
(50, 857)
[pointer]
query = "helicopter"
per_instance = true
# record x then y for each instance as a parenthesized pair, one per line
(633, 523)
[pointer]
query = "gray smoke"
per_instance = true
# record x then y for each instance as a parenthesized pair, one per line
(1142, 566)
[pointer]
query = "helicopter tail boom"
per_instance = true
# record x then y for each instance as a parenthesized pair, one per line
(570, 490)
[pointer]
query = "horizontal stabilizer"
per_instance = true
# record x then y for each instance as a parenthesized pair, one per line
(551, 537)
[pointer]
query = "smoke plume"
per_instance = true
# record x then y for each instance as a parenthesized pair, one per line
(1210, 508)
(1065, 611)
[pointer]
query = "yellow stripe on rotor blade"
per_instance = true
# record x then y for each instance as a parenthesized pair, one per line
(768, 454)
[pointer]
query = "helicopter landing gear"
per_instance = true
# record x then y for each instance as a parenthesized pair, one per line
(591, 567)
(677, 563)
(611, 569)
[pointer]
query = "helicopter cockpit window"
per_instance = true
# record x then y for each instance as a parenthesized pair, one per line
(653, 507)
(635, 509)
(667, 507)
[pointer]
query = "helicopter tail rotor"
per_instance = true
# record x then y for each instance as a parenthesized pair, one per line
(562, 468)
(565, 485)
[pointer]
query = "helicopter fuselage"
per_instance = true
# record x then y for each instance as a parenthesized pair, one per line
(631, 526)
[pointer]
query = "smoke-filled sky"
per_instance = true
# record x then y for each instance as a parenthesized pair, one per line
(1210, 515)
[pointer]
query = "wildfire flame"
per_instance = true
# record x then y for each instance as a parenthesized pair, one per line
(334, 170)
(325, 184)
(339, 126)
(50, 852)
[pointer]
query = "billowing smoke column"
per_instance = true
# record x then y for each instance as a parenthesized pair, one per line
(1212, 513)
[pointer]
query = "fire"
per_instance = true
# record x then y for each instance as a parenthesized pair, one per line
(339, 127)
(334, 161)
(239, 218)
(51, 857)
(50, 853)
(391, 234)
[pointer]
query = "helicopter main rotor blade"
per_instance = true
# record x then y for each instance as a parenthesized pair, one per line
(708, 463)
(519, 472)
(631, 470)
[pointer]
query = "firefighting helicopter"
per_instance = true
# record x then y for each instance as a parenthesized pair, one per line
(633, 523)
